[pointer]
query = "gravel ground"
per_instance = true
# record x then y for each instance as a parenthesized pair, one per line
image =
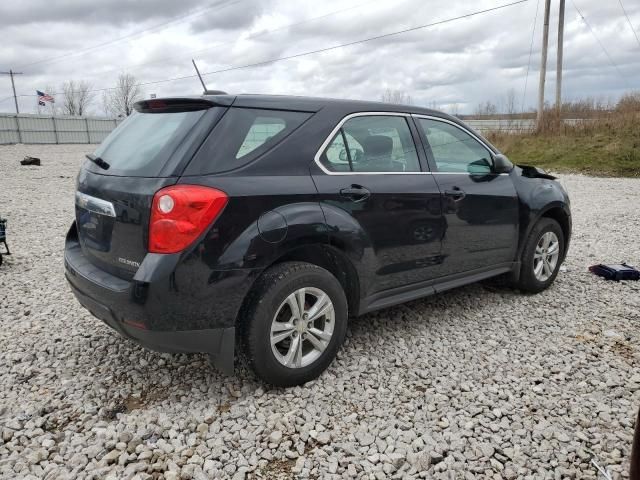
(476, 383)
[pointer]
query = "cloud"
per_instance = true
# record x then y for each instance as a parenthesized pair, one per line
(463, 62)
(29, 12)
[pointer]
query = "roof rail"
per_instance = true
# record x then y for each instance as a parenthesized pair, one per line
(214, 92)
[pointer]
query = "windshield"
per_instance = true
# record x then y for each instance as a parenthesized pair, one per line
(142, 144)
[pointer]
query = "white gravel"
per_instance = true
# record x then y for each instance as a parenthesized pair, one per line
(476, 383)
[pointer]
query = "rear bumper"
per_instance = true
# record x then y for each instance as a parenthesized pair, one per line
(163, 313)
(217, 342)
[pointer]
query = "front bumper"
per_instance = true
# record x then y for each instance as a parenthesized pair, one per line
(158, 310)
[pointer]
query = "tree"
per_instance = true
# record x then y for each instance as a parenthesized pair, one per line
(77, 97)
(454, 109)
(486, 108)
(119, 100)
(396, 96)
(510, 103)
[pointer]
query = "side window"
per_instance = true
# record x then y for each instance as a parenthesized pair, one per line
(454, 150)
(376, 143)
(241, 136)
(260, 132)
(335, 156)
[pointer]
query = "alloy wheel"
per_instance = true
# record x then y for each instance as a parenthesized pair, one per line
(302, 327)
(545, 258)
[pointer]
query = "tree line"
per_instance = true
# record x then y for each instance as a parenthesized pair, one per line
(77, 97)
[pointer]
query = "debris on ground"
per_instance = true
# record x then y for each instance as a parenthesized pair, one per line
(621, 271)
(30, 161)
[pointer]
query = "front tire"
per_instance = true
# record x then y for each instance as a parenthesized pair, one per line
(294, 323)
(542, 256)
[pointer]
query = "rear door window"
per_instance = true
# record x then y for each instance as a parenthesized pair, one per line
(372, 143)
(242, 135)
(142, 144)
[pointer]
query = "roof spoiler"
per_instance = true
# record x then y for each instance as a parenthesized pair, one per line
(173, 105)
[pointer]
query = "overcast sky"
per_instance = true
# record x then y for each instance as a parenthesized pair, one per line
(458, 63)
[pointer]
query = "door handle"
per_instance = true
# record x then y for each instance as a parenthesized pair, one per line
(456, 193)
(356, 193)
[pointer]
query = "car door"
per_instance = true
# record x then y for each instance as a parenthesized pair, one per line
(480, 207)
(372, 188)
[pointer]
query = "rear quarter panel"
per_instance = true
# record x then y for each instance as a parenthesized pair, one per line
(261, 222)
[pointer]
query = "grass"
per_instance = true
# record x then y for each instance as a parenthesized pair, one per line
(603, 147)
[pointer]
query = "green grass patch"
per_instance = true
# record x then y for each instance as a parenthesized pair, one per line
(602, 149)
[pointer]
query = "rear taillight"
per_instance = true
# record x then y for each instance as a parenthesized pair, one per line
(179, 214)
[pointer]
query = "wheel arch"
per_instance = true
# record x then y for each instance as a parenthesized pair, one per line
(334, 261)
(557, 211)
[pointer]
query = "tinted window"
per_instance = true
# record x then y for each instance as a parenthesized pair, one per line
(142, 144)
(262, 130)
(336, 154)
(454, 150)
(376, 143)
(243, 134)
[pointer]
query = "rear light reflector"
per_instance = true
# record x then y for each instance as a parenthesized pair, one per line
(180, 214)
(166, 203)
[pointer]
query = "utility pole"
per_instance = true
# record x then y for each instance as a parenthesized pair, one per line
(559, 61)
(543, 66)
(11, 73)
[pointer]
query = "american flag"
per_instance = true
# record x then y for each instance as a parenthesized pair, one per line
(44, 97)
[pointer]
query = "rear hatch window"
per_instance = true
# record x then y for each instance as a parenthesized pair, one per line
(142, 144)
(242, 135)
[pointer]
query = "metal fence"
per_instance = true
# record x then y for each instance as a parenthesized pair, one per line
(27, 128)
(520, 125)
(502, 125)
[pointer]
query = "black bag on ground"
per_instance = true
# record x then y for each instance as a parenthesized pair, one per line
(617, 272)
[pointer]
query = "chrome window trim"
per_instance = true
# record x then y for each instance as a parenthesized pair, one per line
(464, 129)
(459, 127)
(95, 205)
(335, 130)
(345, 119)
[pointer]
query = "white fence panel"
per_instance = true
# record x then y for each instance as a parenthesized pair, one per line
(8, 130)
(26, 128)
(502, 125)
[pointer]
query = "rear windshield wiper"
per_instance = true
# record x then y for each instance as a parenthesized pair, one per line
(98, 161)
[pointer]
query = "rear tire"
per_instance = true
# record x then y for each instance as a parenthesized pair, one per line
(542, 256)
(286, 341)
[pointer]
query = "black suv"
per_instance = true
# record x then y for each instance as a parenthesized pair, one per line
(261, 221)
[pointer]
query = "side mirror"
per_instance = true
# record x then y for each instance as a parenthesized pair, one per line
(501, 164)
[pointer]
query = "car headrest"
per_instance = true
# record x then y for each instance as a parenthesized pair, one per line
(377, 146)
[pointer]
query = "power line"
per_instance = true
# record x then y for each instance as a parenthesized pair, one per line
(250, 37)
(356, 42)
(599, 42)
(629, 20)
(326, 49)
(153, 28)
(533, 33)
(256, 35)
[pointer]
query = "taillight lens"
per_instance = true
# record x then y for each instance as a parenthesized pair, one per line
(180, 213)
